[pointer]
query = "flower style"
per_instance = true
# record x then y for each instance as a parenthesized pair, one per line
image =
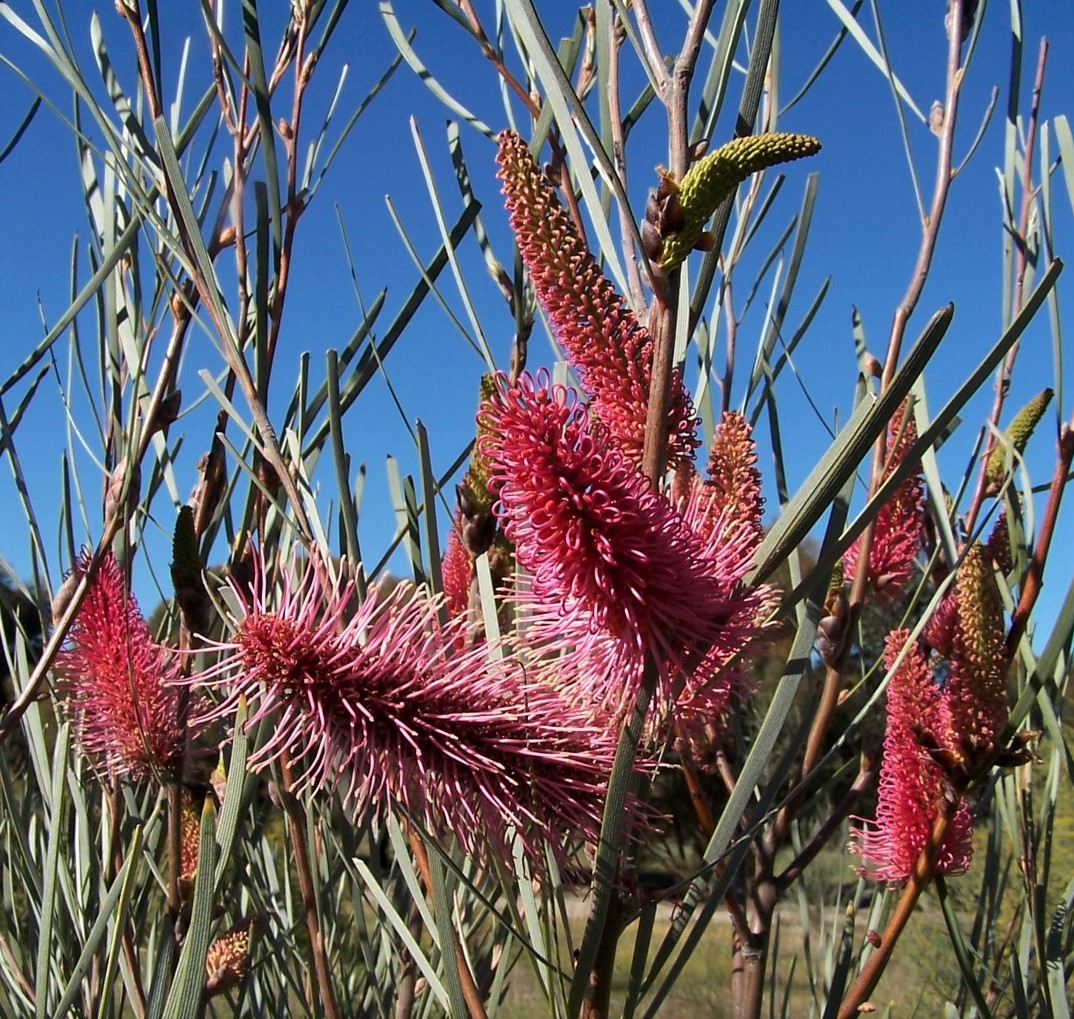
(912, 784)
(897, 532)
(377, 699)
(607, 346)
(616, 575)
(114, 682)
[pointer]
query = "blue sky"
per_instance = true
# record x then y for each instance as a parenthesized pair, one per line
(865, 236)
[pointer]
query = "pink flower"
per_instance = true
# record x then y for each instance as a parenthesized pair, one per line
(457, 570)
(734, 480)
(897, 533)
(377, 699)
(114, 681)
(912, 784)
(727, 515)
(611, 351)
(616, 575)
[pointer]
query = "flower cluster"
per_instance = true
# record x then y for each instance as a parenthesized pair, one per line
(616, 576)
(897, 532)
(380, 701)
(911, 782)
(393, 702)
(115, 682)
(946, 709)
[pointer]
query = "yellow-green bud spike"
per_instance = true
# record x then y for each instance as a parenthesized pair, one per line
(710, 180)
(1017, 437)
(476, 480)
(980, 608)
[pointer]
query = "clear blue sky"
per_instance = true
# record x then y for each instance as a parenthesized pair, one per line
(865, 235)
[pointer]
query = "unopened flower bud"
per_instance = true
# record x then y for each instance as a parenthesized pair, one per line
(709, 181)
(121, 494)
(1016, 437)
(228, 959)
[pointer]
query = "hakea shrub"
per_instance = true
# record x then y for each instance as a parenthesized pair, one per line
(946, 710)
(115, 683)
(609, 349)
(615, 577)
(381, 701)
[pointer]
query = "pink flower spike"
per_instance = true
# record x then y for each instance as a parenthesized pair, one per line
(377, 700)
(616, 574)
(457, 570)
(733, 477)
(897, 534)
(911, 782)
(113, 681)
(611, 351)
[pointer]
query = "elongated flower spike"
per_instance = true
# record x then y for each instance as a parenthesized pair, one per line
(113, 681)
(609, 349)
(1016, 437)
(457, 569)
(616, 575)
(897, 533)
(474, 533)
(734, 480)
(690, 203)
(377, 702)
(912, 783)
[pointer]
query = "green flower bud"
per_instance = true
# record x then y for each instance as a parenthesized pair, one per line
(710, 180)
(1016, 436)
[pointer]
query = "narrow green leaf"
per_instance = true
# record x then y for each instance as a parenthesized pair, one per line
(442, 911)
(399, 925)
(57, 841)
(237, 792)
(571, 118)
(184, 1000)
(869, 49)
(108, 913)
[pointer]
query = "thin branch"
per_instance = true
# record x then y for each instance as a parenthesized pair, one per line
(871, 972)
(296, 822)
(475, 1006)
(930, 234)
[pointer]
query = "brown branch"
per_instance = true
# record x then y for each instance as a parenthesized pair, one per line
(271, 451)
(615, 116)
(903, 313)
(832, 824)
(474, 1005)
(871, 972)
(662, 314)
(1034, 578)
(296, 822)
